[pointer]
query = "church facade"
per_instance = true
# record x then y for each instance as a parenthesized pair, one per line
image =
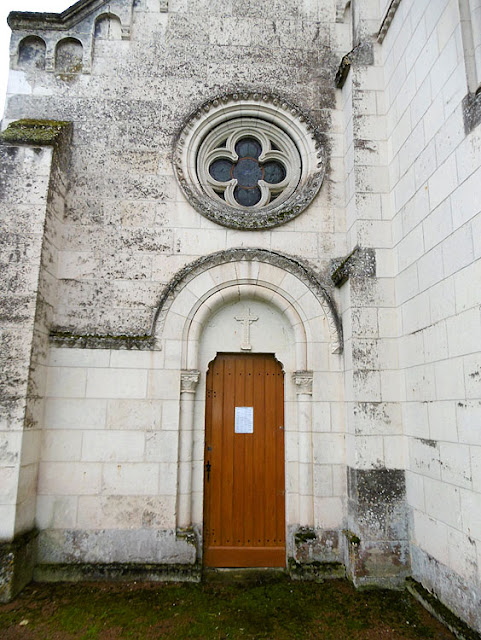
(240, 315)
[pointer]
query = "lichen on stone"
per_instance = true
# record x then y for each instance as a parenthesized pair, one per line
(98, 341)
(35, 132)
(352, 538)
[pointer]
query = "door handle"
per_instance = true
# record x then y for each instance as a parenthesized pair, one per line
(207, 468)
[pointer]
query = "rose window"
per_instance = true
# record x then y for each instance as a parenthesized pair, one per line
(248, 163)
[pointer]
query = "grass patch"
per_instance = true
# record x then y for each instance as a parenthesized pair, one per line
(282, 610)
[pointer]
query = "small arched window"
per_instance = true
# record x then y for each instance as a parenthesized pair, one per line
(31, 53)
(108, 27)
(69, 56)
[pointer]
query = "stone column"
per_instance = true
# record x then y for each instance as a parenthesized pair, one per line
(188, 385)
(303, 381)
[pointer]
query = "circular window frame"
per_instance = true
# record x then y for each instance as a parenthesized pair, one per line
(276, 115)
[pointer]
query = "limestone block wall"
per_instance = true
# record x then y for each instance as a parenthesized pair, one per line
(123, 440)
(33, 186)
(376, 491)
(375, 454)
(21, 251)
(127, 80)
(434, 174)
(107, 481)
(110, 471)
(33, 193)
(127, 226)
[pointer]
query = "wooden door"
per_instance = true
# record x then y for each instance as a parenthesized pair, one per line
(244, 501)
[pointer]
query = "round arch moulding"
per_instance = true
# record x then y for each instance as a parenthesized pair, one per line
(269, 112)
(293, 267)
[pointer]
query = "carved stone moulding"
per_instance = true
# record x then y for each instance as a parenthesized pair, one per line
(189, 379)
(270, 119)
(303, 381)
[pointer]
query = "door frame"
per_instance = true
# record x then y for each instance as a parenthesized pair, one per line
(296, 357)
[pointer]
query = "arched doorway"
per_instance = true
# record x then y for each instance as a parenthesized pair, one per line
(205, 312)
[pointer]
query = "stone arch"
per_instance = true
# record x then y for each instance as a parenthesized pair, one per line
(210, 288)
(108, 27)
(300, 286)
(31, 53)
(69, 56)
(208, 306)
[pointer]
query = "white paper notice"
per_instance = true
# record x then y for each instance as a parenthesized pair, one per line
(244, 419)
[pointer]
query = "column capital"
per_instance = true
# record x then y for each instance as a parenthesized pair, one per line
(188, 380)
(303, 381)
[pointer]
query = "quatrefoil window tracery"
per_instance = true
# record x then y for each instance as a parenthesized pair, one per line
(247, 172)
(248, 163)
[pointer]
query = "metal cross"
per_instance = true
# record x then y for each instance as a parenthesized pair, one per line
(247, 319)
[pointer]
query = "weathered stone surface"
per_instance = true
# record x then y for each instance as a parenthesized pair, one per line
(114, 546)
(17, 562)
(103, 255)
(378, 550)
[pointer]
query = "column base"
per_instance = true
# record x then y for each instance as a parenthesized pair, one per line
(17, 562)
(377, 535)
(380, 564)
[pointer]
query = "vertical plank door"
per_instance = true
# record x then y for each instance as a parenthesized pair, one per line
(244, 501)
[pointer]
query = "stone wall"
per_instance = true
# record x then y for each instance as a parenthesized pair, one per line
(32, 194)
(127, 226)
(375, 456)
(120, 453)
(434, 173)
(108, 462)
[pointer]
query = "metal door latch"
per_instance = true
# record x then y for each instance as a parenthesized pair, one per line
(207, 468)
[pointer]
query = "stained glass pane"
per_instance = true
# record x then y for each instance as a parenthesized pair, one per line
(248, 148)
(220, 170)
(247, 172)
(247, 197)
(274, 172)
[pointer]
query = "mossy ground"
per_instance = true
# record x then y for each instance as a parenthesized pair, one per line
(280, 610)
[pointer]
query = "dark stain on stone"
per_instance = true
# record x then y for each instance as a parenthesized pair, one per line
(373, 486)
(471, 111)
(428, 443)
(315, 571)
(117, 571)
(96, 341)
(17, 559)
